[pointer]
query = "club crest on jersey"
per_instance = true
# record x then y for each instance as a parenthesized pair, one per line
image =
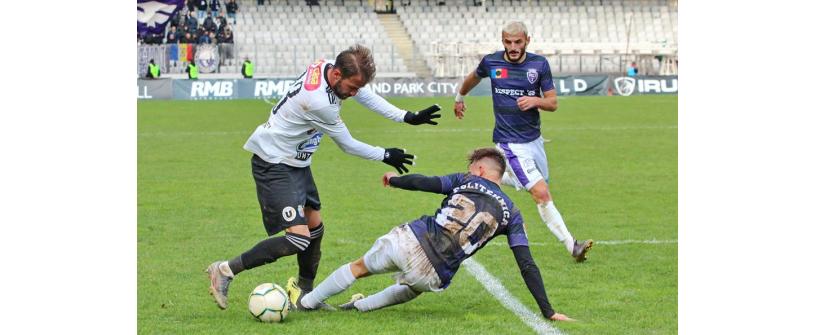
(532, 75)
(313, 77)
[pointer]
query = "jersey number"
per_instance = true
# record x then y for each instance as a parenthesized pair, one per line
(295, 88)
(465, 224)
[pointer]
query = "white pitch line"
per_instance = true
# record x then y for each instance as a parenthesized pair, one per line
(611, 242)
(638, 242)
(423, 130)
(494, 286)
(618, 242)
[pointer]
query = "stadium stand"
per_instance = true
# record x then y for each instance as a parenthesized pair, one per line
(577, 36)
(423, 38)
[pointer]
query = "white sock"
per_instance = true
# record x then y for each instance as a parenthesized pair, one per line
(338, 281)
(225, 270)
(393, 295)
(551, 217)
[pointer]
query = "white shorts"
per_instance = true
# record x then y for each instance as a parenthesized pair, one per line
(526, 163)
(400, 251)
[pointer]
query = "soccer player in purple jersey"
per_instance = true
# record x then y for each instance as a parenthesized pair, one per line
(426, 253)
(517, 79)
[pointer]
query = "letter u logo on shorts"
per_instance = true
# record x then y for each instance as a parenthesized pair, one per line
(289, 213)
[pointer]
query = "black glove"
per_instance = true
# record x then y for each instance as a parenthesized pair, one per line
(423, 116)
(397, 158)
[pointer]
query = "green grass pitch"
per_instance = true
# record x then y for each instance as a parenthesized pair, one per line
(613, 166)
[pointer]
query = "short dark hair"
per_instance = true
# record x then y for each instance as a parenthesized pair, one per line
(356, 60)
(491, 153)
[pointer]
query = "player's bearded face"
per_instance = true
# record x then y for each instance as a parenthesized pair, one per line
(345, 88)
(515, 45)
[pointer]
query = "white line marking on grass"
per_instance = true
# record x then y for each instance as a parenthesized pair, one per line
(618, 242)
(611, 242)
(480, 130)
(494, 287)
(638, 242)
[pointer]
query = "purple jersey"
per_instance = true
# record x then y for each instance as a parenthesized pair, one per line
(473, 213)
(511, 81)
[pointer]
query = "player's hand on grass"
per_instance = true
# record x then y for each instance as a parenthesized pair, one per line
(459, 109)
(386, 179)
(527, 103)
(560, 317)
(398, 158)
(423, 116)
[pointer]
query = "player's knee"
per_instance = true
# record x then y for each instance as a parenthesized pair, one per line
(540, 192)
(414, 292)
(313, 218)
(299, 237)
(358, 268)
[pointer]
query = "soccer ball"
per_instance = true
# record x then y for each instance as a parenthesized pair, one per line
(269, 303)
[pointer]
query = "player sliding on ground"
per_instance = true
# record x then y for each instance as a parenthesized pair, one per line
(282, 149)
(518, 78)
(428, 251)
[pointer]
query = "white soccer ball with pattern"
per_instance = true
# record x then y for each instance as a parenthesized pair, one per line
(269, 303)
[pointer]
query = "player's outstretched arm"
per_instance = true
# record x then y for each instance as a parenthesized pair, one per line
(469, 82)
(376, 103)
(413, 182)
(534, 282)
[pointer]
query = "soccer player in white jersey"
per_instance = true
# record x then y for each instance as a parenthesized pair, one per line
(427, 252)
(517, 79)
(282, 149)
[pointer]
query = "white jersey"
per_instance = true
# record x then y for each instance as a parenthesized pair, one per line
(307, 111)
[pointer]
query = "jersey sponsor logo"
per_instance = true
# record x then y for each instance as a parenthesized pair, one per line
(532, 75)
(499, 73)
(311, 144)
(306, 148)
(302, 156)
(513, 92)
(313, 77)
(289, 213)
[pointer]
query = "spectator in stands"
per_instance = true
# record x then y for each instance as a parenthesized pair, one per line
(212, 38)
(226, 37)
(187, 38)
(632, 69)
(202, 8)
(182, 29)
(215, 7)
(192, 70)
(231, 9)
(154, 38)
(190, 6)
(153, 70)
(191, 22)
(221, 20)
(172, 36)
(209, 23)
(204, 38)
(248, 69)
